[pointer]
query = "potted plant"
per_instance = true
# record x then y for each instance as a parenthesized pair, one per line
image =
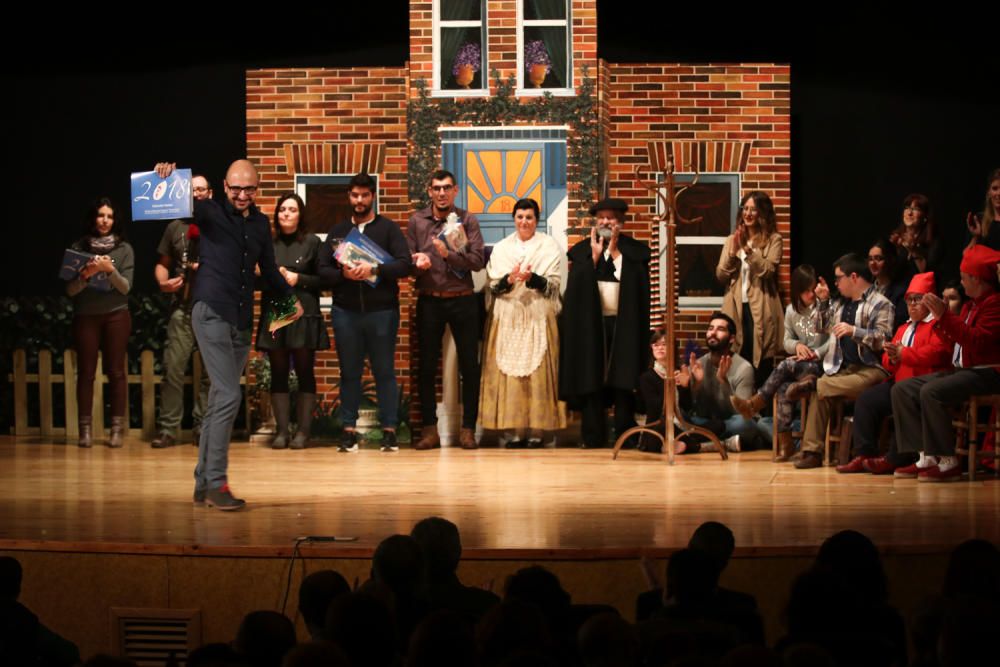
(468, 60)
(537, 62)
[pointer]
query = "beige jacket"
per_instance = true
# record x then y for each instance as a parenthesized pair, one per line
(762, 295)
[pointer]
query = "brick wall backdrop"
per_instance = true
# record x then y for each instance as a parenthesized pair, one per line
(704, 107)
(333, 121)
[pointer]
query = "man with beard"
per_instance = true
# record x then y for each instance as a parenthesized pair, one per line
(443, 281)
(235, 237)
(366, 316)
(604, 325)
(707, 384)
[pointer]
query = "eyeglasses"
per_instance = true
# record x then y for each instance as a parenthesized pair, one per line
(199, 189)
(914, 300)
(248, 190)
(837, 279)
(912, 209)
(876, 258)
(441, 188)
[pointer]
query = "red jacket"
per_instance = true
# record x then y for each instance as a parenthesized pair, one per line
(929, 353)
(980, 338)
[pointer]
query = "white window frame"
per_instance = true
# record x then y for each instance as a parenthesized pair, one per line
(691, 303)
(524, 91)
(437, 24)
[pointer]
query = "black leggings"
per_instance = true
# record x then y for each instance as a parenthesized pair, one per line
(303, 360)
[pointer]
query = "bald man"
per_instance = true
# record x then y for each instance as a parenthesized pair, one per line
(235, 236)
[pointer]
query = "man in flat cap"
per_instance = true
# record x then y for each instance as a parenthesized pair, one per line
(604, 325)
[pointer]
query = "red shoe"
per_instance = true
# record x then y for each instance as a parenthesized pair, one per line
(908, 472)
(879, 465)
(934, 474)
(857, 464)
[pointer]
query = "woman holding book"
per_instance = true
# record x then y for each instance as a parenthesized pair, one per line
(296, 253)
(101, 321)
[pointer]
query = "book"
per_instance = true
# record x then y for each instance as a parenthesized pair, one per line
(356, 247)
(73, 263)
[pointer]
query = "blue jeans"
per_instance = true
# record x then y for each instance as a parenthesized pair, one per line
(224, 349)
(752, 434)
(373, 335)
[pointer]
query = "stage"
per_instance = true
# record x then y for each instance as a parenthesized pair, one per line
(116, 529)
(550, 503)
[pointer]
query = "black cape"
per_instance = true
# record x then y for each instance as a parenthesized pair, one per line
(581, 330)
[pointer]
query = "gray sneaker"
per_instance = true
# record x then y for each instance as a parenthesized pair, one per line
(732, 443)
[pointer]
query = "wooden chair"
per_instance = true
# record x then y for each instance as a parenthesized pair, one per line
(968, 428)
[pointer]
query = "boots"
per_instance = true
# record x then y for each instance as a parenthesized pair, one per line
(799, 390)
(428, 438)
(786, 447)
(304, 413)
(117, 438)
(279, 406)
(748, 408)
(86, 437)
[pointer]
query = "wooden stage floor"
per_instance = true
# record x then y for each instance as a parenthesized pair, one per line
(547, 504)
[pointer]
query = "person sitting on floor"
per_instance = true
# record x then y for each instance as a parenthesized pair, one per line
(706, 385)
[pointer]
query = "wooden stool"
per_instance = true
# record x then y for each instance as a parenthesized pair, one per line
(834, 431)
(803, 402)
(968, 429)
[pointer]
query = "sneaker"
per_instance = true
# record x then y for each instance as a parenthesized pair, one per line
(222, 498)
(163, 440)
(534, 443)
(732, 443)
(348, 442)
(389, 442)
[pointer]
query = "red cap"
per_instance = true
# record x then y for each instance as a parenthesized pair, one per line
(922, 283)
(981, 261)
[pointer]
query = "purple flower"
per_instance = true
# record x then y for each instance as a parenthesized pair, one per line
(535, 53)
(468, 54)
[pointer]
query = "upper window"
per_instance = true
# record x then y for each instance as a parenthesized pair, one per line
(460, 47)
(544, 58)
